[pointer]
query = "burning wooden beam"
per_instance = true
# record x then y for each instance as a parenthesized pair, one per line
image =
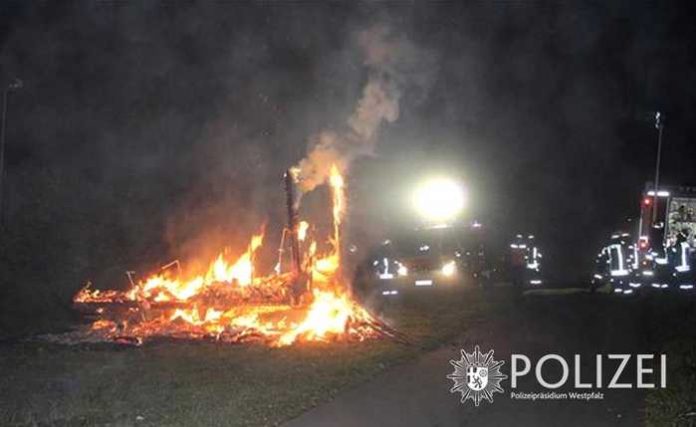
(292, 222)
(301, 282)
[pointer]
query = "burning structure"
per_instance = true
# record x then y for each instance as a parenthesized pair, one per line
(231, 302)
(304, 298)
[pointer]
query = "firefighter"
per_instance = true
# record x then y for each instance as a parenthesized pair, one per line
(613, 265)
(533, 262)
(680, 255)
(601, 273)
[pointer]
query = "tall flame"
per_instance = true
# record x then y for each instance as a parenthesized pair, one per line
(339, 201)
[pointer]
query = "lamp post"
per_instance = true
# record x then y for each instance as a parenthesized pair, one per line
(659, 125)
(14, 85)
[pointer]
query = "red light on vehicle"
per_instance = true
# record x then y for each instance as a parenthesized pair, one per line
(647, 201)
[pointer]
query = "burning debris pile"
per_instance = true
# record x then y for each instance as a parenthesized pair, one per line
(304, 299)
(231, 303)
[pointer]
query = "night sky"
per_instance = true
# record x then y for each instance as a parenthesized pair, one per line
(179, 118)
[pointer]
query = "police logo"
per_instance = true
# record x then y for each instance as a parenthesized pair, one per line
(476, 376)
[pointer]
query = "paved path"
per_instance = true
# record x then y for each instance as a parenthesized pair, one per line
(417, 394)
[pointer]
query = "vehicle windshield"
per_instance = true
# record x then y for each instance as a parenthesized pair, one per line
(429, 242)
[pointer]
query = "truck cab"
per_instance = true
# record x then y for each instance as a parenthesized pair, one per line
(442, 257)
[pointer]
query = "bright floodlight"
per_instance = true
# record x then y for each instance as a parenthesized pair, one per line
(439, 200)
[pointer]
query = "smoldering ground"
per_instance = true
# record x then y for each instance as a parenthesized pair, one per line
(156, 131)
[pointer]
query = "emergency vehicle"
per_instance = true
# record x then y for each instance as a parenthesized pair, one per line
(661, 255)
(665, 247)
(445, 257)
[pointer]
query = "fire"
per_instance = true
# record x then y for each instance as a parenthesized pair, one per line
(330, 315)
(241, 271)
(302, 231)
(231, 302)
(339, 201)
(162, 287)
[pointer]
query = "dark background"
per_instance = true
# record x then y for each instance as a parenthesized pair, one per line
(151, 131)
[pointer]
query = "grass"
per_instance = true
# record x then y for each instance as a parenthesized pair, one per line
(676, 405)
(672, 330)
(200, 383)
(203, 383)
(558, 291)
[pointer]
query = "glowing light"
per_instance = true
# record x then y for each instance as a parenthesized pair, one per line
(424, 282)
(402, 270)
(449, 268)
(439, 200)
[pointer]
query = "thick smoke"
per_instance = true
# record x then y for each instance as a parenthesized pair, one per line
(394, 65)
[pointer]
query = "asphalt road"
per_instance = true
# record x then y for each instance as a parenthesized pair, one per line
(417, 394)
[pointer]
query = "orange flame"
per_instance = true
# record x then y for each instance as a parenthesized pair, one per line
(330, 315)
(241, 271)
(230, 302)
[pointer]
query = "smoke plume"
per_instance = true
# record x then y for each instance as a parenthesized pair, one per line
(394, 65)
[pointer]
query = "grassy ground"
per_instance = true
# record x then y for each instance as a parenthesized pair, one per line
(201, 383)
(673, 332)
(180, 383)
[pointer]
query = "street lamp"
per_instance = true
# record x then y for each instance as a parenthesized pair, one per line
(12, 86)
(659, 125)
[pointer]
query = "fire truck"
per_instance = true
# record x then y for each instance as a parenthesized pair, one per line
(662, 254)
(443, 257)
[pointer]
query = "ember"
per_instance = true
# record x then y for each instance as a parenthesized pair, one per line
(230, 302)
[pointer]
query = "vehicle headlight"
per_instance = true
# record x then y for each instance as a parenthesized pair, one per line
(401, 270)
(449, 268)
